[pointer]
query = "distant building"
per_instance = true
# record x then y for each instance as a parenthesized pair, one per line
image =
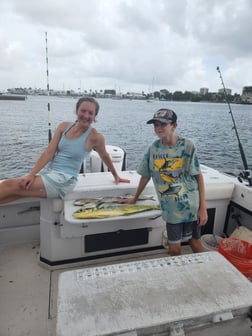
(228, 91)
(109, 93)
(203, 91)
(246, 96)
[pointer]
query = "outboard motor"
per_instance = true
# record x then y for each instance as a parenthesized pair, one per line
(95, 164)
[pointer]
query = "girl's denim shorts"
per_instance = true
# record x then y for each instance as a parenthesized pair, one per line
(58, 184)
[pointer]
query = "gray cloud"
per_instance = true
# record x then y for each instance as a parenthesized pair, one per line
(135, 45)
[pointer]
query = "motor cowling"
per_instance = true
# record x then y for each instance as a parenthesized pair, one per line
(95, 164)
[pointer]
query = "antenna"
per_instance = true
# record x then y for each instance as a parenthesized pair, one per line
(246, 173)
(48, 93)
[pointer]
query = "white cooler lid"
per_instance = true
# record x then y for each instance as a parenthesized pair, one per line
(124, 297)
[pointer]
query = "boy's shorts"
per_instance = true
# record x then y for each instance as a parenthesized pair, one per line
(183, 232)
(58, 184)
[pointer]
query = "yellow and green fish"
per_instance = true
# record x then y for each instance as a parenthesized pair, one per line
(88, 203)
(113, 211)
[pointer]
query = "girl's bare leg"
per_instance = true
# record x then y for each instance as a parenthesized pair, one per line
(11, 190)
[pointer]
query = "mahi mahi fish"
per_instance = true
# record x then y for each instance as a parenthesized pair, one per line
(113, 211)
(89, 203)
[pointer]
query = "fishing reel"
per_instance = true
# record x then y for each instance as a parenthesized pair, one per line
(245, 176)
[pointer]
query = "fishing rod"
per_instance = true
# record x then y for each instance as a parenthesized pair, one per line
(48, 93)
(245, 175)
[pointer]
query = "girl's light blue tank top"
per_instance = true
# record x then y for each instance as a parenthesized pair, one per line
(71, 153)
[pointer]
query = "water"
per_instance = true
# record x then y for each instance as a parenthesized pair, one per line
(24, 130)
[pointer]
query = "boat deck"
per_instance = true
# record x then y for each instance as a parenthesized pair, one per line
(28, 291)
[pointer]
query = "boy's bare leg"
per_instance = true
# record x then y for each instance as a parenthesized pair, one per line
(196, 245)
(174, 249)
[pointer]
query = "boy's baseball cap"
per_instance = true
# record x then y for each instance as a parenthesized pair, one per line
(164, 116)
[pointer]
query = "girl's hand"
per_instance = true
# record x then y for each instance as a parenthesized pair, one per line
(26, 181)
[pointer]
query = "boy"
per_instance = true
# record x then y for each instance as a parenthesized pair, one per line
(172, 163)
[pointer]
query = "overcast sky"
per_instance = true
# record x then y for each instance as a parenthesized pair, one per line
(127, 45)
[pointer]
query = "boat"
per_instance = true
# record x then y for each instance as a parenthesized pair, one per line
(5, 96)
(42, 245)
(99, 275)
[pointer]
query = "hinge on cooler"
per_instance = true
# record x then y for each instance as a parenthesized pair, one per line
(223, 317)
(177, 329)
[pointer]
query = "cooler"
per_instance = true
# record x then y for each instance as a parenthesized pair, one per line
(199, 294)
